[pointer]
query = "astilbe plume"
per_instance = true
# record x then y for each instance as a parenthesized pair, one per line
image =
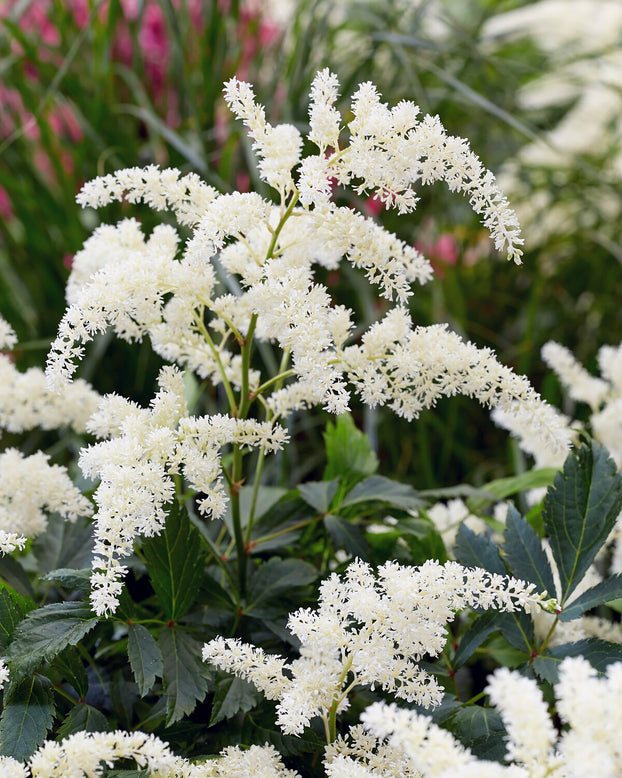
(266, 255)
(368, 630)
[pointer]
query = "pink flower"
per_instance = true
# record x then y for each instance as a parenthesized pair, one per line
(6, 207)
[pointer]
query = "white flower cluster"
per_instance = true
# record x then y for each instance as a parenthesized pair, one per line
(370, 630)
(29, 488)
(582, 83)
(26, 402)
(145, 449)
(589, 746)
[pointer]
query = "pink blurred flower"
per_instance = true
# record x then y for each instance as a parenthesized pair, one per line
(6, 207)
(442, 252)
(372, 206)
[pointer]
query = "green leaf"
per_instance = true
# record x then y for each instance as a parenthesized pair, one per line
(346, 535)
(473, 550)
(349, 454)
(145, 658)
(318, 494)
(506, 487)
(69, 664)
(27, 716)
(272, 580)
(64, 544)
(14, 574)
(377, 488)
(184, 674)
(476, 633)
(233, 695)
(83, 718)
(45, 632)
(524, 554)
(481, 730)
(175, 563)
(13, 608)
(599, 653)
(68, 578)
(603, 592)
(580, 511)
(516, 628)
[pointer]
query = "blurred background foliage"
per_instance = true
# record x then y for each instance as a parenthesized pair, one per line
(87, 87)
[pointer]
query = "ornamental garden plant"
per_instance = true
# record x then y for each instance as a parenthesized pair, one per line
(175, 602)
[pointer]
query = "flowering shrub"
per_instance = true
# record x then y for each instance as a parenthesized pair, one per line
(187, 606)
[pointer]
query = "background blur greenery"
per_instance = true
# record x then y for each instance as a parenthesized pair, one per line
(88, 87)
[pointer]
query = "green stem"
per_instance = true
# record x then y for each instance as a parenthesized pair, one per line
(549, 635)
(258, 468)
(236, 517)
(228, 389)
(332, 714)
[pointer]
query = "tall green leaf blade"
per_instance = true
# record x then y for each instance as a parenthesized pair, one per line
(524, 554)
(45, 632)
(473, 550)
(610, 589)
(184, 674)
(145, 657)
(580, 511)
(175, 563)
(27, 716)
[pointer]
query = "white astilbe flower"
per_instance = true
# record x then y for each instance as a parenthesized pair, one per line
(12, 768)
(4, 674)
(368, 630)
(144, 449)
(8, 338)
(187, 197)
(531, 734)
(590, 706)
(27, 403)
(448, 518)
(278, 147)
(29, 489)
(409, 369)
(579, 384)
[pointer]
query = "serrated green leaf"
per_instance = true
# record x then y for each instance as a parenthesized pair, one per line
(13, 609)
(348, 452)
(523, 552)
(64, 544)
(517, 629)
(599, 653)
(69, 665)
(318, 494)
(71, 579)
(232, 696)
(83, 718)
(145, 658)
(346, 535)
(473, 550)
(45, 632)
(175, 563)
(184, 674)
(605, 591)
(481, 730)
(476, 633)
(377, 488)
(27, 716)
(580, 511)
(275, 578)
